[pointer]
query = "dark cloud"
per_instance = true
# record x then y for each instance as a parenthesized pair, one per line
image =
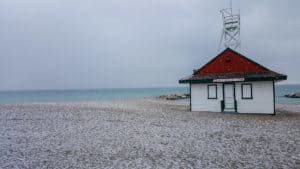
(134, 43)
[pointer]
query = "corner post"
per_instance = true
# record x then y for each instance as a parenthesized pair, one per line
(274, 113)
(190, 96)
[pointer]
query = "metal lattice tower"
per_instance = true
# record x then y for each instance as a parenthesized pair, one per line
(231, 29)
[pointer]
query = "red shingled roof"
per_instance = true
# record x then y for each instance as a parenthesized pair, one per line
(231, 64)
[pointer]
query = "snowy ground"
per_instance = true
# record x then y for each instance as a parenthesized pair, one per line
(146, 133)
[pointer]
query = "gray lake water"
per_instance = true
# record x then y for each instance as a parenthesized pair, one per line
(117, 94)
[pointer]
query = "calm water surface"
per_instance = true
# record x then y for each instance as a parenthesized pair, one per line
(117, 94)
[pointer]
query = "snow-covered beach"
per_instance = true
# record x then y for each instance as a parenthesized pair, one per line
(145, 133)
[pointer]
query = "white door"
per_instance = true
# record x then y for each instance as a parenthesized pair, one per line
(229, 97)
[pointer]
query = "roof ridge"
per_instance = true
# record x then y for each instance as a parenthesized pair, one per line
(253, 72)
(235, 52)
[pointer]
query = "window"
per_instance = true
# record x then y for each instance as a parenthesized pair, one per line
(247, 91)
(212, 91)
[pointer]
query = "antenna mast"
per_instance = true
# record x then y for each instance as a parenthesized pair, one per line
(230, 37)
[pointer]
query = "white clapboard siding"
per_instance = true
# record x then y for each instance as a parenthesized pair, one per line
(199, 100)
(262, 102)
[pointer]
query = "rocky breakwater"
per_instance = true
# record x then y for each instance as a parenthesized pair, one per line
(175, 96)
(293, 95)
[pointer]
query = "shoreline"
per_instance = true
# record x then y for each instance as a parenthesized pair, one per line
(144, 133)
(280, 106)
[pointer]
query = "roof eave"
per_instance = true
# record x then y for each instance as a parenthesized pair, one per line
(249, 79)
(195, 81)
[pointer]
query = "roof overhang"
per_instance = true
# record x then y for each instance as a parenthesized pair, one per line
(227, 80)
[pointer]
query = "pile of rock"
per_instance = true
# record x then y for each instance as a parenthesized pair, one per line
(174, 96)
(293, 95)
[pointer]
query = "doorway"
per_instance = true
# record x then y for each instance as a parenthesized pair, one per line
(229, 97)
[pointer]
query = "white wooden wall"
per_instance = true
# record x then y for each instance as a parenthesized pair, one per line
(200, 101)
(262, 101)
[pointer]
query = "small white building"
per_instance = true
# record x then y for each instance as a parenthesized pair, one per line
(231, 82)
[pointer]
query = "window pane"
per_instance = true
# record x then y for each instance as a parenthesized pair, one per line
(247, 91)
(212, 91)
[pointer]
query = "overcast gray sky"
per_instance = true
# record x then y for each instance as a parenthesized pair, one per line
(58, 44)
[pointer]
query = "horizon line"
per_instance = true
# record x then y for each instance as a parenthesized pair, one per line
(154, 87)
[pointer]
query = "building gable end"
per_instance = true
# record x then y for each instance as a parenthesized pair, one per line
(230, 61)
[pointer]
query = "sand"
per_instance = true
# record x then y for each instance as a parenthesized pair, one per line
(145, 133)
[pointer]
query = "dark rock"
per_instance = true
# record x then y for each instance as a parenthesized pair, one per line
(174, 96)
(293, 95)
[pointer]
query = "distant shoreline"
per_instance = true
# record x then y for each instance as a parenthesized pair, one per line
(280, 107)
